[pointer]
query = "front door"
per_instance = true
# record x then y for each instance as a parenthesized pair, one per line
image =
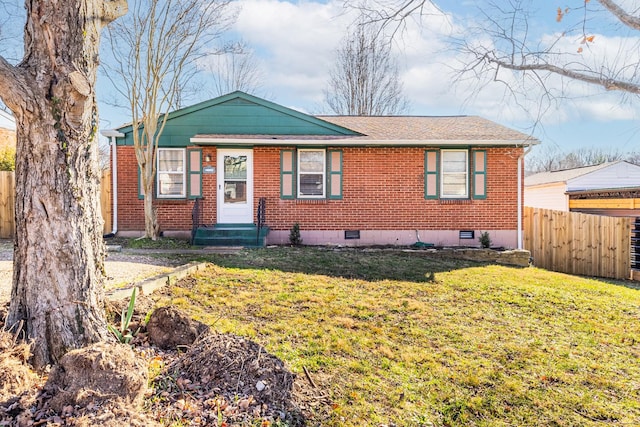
(235, 186)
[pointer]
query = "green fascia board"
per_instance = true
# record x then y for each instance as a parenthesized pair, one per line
(238, 113)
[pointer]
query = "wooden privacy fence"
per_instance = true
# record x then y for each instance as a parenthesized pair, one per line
(576, 243)
(7, 201)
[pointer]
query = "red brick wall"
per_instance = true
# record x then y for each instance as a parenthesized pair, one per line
(172, 214)
(383, 189)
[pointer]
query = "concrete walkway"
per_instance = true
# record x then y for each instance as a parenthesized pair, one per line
(146, 269)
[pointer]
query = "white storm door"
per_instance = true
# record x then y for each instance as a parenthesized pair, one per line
(235, 186)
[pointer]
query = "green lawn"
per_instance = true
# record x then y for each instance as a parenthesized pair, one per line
(404, 338)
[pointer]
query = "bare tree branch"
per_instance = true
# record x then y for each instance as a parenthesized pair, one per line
(236, 70)
(624, 17)
(498, 45)
(365, 79)
(154, 53)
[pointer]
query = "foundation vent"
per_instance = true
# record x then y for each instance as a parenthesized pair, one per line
(467, 234)
(351, 234)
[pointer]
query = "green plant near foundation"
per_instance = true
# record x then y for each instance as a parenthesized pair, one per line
(294, 235)
(485, 240)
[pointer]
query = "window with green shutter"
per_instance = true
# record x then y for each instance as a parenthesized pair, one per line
(140, 189)
(311, 173)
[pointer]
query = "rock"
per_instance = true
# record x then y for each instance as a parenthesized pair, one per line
(168, 328)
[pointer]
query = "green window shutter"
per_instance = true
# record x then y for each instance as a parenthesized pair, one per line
(140, 189)
(288, 174)
(480, 174)
(431, 175)
(194, 174)
(334, 174)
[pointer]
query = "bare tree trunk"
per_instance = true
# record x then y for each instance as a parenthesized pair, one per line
(57, 298)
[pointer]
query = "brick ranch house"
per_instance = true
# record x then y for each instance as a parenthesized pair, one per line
(345, 180)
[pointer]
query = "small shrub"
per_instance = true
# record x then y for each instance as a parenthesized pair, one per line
(294, 235)
(485, 240)
(7, 159)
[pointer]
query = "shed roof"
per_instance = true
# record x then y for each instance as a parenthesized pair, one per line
(564, 175)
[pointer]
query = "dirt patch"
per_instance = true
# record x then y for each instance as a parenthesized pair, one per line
(16, 375)
(97, 374)
(229, 375)
(170, 329)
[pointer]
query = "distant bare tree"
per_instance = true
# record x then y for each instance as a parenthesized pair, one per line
(633, 157)
(550, 159)
(365, 79)
(155, 50)
(237, 69)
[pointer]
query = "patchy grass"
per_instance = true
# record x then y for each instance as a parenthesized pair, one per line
(412, 340)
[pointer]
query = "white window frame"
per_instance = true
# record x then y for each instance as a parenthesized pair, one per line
(183, 172)
(324, 173)
(443, 174)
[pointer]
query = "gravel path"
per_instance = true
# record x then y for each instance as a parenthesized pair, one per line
(122, 268)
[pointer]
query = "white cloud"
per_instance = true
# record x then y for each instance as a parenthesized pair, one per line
(296, 43)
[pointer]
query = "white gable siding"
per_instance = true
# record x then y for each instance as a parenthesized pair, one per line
(7, 121)
(551, 196)
(617, 175)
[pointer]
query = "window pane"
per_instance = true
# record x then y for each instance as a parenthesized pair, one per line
(170, 160)
(171, 172)
(170, 184)
(311, 173)
(311, 184)
(235, 167)
(235, 192)
(311, 161)
(454, 185)
(454, 173)
(454, 161)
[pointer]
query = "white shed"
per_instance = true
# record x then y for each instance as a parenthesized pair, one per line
(7, 121)
(558, 189)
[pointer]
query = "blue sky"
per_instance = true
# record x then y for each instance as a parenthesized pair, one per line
(295, 42)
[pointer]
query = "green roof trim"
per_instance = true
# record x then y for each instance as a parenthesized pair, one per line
(238, 113)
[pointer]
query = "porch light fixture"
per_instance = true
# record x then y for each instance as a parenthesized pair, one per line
(207, 158)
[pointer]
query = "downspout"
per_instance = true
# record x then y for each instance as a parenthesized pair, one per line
(113, 134)
(520, 201)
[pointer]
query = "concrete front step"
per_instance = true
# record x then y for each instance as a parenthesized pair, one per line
(245, 235)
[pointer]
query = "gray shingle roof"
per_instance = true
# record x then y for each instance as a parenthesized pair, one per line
(428, 128)
(564, 175)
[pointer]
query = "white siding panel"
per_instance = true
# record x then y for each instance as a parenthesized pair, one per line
(618, 175)
(547, 197)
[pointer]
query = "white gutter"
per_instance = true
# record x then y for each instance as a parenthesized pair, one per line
(355, 141)
(113, 134)
(520, 201)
